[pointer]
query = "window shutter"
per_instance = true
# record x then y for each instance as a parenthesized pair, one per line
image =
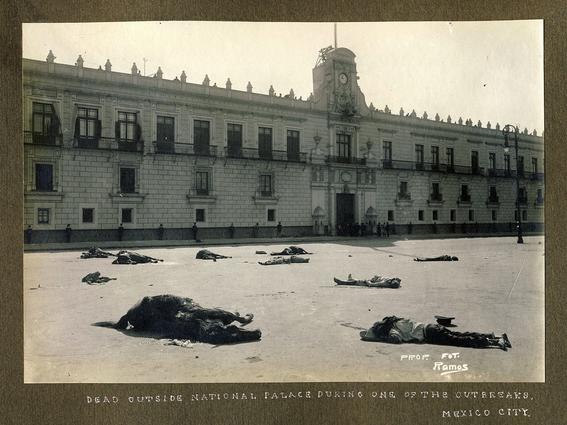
(98, 127)
(55, 126)
(77, 129)
(138, 132)
(117, 129)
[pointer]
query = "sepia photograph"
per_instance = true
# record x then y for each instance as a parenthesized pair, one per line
(283, 202)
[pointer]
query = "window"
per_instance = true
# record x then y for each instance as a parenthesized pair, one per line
(524, 215)
(420, 215)
(200, 215)
(266, 184)
(435, 156)
(507, 164)
(404, 191)
(88, 215)
(293, 145)
(465, 196)
(265, 142)
(492, 195)
(234, 140)
(343, 146)
(534, 165)
(435, 192)
(522, 196)
(494, 215)
(539, 198)
(419, 156)
(520, 165)
(202, 182)
(127, 126)
(43, 216)
(165, 129)
(45, 124)
(471, 215)
(127, 215)
(387, 146)
(87, 125)
(201, 136)
(434, 215)
(474, 162)
(453, 215)
(390, 215)
(127, 180)
(492, 161)
(44, 177)
(450, 158)
(271, 215)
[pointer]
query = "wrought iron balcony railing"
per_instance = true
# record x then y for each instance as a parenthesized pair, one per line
(405, 196)
(109, 143)
(169, 147)
(436, 197)
(42, 139)
(493, 199)
(252, 153)
(346, 160)
(464, 198)
(522, 200)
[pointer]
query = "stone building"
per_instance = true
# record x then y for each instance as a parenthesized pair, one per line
(105, 149)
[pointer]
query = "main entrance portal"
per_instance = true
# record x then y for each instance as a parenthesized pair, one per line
(345, 208)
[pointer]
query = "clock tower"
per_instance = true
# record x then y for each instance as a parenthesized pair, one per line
(335, 83)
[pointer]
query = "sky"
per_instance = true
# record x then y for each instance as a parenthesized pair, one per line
(487, 71)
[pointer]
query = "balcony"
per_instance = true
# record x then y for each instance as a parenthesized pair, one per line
(109, 143)
(31, 138)
(251, 153)
(538, 202)
(536, 177)
(493, 200)
(464, 198)
(346, 160)
(522, 200)
(435, 199)
(163, 147)
(405, 196)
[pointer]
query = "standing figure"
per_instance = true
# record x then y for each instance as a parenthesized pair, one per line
(120, 232)
(68, 231)
(195, 230)
(279, 229)
(231, 230)
(29, 232)
(410, 227)
(387, 229)
(256, 229)
(379, 230)
(161, 231)
(363, 229)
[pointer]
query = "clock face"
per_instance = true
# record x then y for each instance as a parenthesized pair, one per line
(343, 78)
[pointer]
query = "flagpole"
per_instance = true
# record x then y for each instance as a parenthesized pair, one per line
(335, 35)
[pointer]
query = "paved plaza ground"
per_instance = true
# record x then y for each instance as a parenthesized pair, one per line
(310, 327)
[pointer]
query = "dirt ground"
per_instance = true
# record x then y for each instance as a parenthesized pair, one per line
(310, 327)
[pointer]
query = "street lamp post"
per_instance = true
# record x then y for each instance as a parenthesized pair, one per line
(506, 131)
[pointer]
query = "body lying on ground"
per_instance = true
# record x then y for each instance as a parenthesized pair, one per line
(95, 252)
(94, 278)
(440, 258)
(374, 282)
(292, 250)
(205, 254)
(397, 330)
(281, 260)
(173, 317)
(129, 257)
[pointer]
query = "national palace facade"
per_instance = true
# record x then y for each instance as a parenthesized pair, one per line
(105, 149)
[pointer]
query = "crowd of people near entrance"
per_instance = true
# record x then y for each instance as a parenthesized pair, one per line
(363, 229)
